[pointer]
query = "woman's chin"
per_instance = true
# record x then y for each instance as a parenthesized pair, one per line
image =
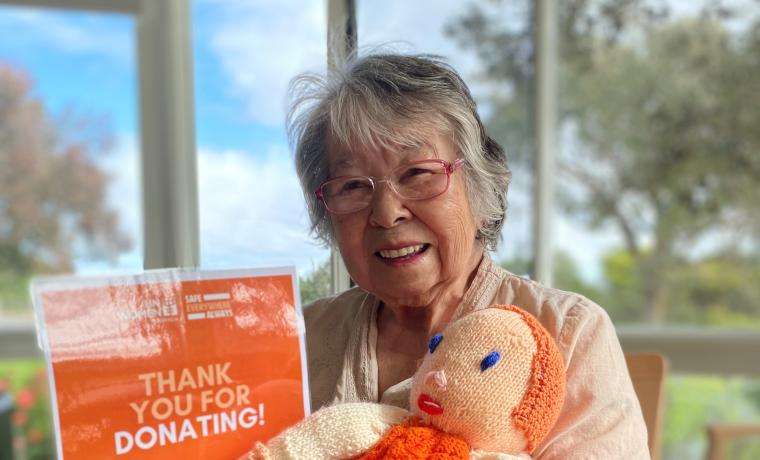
(408, 296)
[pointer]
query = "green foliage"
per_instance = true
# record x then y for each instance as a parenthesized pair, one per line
(520, 266)
(14, 293)
(32, 427)
(624, 289)
(719, 291)
(568, 277)
(316, 285)
(693, 402)
(18, 372)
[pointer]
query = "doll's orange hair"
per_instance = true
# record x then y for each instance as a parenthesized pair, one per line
(541, 405)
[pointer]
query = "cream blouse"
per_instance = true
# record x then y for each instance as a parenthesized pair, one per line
(601, 417)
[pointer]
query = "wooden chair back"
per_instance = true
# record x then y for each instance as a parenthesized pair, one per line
(720, 436)
(648, 371)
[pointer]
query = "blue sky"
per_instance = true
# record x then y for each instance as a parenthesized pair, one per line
(245, 53)
(87, 61)
(69, 69)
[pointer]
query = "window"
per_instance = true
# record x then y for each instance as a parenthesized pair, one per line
(658, 168)
(658, 163)
(252, 211)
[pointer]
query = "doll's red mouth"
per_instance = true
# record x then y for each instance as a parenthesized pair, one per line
(429, 405)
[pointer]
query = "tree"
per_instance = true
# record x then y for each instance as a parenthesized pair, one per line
(663, 113)
(566, 275)
(719, 290)
(316, 284)
(52, 191)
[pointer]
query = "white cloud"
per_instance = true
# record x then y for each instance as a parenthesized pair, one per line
(415, 27)
(262, 45)
(252, 211)
(71, 32)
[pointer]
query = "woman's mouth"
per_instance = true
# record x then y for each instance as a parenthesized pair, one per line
(402, 256)
(429, 405)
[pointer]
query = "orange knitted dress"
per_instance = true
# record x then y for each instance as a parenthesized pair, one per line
(413, 440)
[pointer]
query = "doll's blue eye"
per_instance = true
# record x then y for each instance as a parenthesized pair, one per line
(490, 359)
(434, 341)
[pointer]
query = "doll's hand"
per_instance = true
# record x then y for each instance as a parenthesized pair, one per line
(483, 455)
(340, 431)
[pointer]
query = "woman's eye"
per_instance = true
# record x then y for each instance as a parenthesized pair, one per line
(490, 360)
(414, 173)
(417, 171)
(434, 341)
(352, 185)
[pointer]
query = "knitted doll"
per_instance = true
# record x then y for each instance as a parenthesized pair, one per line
(491, 386)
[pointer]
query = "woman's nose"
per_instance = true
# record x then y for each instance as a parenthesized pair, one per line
(436, 379)
(387, 207)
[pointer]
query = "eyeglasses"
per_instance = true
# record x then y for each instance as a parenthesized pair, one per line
(418, 180)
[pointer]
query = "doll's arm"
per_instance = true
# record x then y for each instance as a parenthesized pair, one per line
(340, 431)
(483, 455)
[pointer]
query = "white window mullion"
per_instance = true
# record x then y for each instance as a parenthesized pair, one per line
(545, 121)
(341, 43)
(167, 123)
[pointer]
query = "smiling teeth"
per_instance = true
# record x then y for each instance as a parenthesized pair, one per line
(395, 253)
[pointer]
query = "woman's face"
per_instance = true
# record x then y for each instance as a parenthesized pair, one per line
(444, 226)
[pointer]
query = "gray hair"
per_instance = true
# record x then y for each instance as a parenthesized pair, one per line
(390, 101)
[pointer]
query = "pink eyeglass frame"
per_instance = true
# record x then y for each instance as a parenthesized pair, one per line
(449, 168)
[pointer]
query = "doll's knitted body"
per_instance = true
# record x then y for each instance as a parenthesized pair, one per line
(368, 431)
(340, 431)
(413, 439)
(491, 386)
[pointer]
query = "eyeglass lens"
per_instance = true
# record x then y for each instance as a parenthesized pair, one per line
(415, 181)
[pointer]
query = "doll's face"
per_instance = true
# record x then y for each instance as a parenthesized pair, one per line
(475, 373)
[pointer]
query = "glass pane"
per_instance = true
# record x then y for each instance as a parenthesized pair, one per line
(456, 31)
(252, 211)
(69, 186)
(659, 166)
(70, 198)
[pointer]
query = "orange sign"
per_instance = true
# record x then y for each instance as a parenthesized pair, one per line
(173, 363)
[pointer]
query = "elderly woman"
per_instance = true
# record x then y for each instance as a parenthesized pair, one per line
(400, 175)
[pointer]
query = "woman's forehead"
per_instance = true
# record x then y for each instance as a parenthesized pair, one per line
(358, 156)
(430, 146)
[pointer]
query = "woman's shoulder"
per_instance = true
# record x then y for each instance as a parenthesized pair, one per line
(331, 320)
(332, 311)
(561, 312)
(329, 324)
